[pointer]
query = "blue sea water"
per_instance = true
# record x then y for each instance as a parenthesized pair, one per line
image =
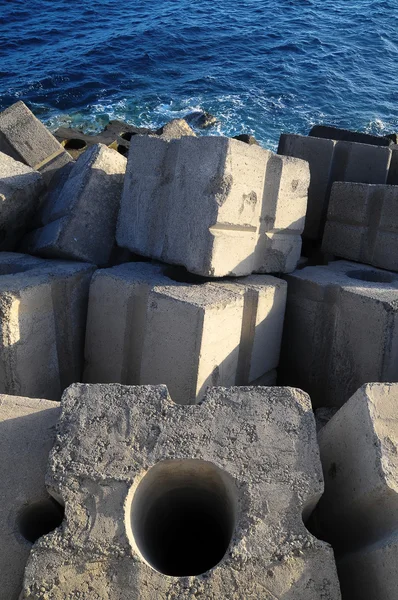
(260, 66)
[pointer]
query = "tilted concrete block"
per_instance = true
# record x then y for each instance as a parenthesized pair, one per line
(43, 308)
(145, 325)
(214, 205)
(170, 501)
(362, 224)
(27, 434)
(81, 218)
(20, 189)
(359, 509)
(341, 330)
(26, 139)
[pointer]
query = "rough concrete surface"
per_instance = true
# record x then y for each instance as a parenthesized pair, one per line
(214, 205)
(359, 509)
(150, 324)
(340, 331)
(43, 307)
(27, 434)
(175, 502)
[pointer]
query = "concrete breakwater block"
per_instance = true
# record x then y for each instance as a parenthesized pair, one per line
(341, 330)
(330, 161)
(215, 205)
(80, 216)
(150, 324)
(362, 224)
(26, 139)
(166, 501)
(27, 434)
(359, 509)
(336, 133)
(43, 307)
(20, 188)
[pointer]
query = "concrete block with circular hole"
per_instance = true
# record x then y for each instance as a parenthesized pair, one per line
(151, 324)
(358, 512)
(43, 308)
(214, 205)
(362, 224)
(26, 139)
(341, 330)
(81, 218)
(27, 434)
(170, 501)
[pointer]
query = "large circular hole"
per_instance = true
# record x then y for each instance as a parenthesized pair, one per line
(75, 144)
(371, 276)
(40, 518)
(181, 275)
(183, 516)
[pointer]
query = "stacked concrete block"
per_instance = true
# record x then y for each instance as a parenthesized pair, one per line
(20, 188)
(341, 330)
(27, 434)
(337, 133)
(146, 325)
(359, 509)
(26, 139)
(362, 224)
(43, 307)
(214, 205)
(168, 501)
(80, 214)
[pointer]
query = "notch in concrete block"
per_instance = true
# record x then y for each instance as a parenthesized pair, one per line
(204, 500)
(155, 324)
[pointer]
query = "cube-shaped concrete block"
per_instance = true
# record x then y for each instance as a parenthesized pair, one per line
(362, 224)
(337, 133)
(341, 330)
(20, 189)
(361, 163)
(26, 139)
(81, 218)
(214, 205)
(145, 325)
(43, 307)
(27, 434)
(169, 501)
(359, 509)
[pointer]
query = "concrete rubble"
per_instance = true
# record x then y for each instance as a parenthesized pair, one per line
(27, 434)
(214, 205)
(170, 501)
(154, 324)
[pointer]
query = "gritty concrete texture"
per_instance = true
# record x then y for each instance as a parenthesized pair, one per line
(362, 224)
(43, 308)
(359, 510)
(175, 129)
(26, 139)
(214, 205)
(81, 218)
(182, 502)
(145, 325)
(20, 188)
(341, 330)
(27, 434)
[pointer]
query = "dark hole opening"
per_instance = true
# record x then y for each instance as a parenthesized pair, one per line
(127, 135)
(40, 518)
(371, 276)
(75, 144)
(122, 149)
(181, 275)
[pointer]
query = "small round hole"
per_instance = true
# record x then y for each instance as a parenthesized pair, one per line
(127, 135)
(371, 276)
(181, 275)
(40, 518)
(75, 144)
(183, 516)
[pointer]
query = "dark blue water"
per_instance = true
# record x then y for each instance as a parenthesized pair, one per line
(261, 66)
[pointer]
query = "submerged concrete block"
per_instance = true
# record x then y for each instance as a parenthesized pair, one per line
(20, 189)
(27, 434)
(147, 324)
(26, 139)
(214, 205)
(81, 218)
(169, 501)
(362, 224)
(358, 512)
(43, 307)
(341, 330)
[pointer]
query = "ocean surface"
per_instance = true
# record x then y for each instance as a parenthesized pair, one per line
(260, 66)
